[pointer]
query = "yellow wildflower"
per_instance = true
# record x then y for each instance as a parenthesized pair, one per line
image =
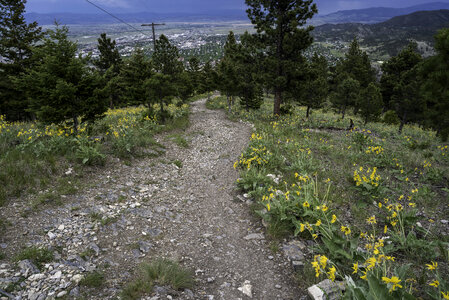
(355, 267)
(435, 283)
(334, 219)
(432, 266)
(394, 281)
(331, 273)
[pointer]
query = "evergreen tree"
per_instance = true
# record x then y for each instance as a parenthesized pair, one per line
(194, 72)
(401, 86)
(209, 78)
(247, 66)
(283, 37)
(17, 42)
(165, 61)
(160, 90)
(435, 73)
(133, 74)
(370, 103)
(109, 63)
(61, 87)
(109, 55)
(347, 93)
(393, 70)
(311, 84)
(228, 77)
(356, 65)
(186, 86)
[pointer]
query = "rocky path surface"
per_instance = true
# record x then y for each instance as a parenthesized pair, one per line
(181, 206)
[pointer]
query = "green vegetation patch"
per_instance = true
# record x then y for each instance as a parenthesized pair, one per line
(38, 255)
(161, 272)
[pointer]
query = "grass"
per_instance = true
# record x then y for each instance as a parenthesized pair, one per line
(412, 166)
(178, 163)
(93, 279)
(37, 255)
(32, 155)
(179, 140)
(161, 272)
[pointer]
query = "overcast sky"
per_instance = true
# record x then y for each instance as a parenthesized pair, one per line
(167, 6)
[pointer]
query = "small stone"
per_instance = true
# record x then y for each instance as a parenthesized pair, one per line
(254, 236)
(444, 221)
(51, 235)
(210, 279)
(77, 278)
(326, 289)
(36, 277)
(61, 294)
(57, 275)
(270, 257)
(75, 292)
(27, 268)
(144, 246)
(61, 227)
(277, 286)
(297, 265)
(246, 288)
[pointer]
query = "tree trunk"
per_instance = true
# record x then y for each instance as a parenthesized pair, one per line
(162, 112)
(308, 112)
(343, 112)
(403, 119)
(277, 102)
(229, 103)
(75, 124)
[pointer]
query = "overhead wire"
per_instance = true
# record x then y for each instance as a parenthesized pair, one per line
(117, 18)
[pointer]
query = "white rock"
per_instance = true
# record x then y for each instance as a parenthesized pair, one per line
(61, 227)
(57, 275)
(61, 294)
(36, 277)
(51, 235)
(247, 289)
(77, 278)
(254, 236)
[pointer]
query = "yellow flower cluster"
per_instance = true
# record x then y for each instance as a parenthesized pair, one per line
(375, 150)
(370, 177)
(258, 156)
(443, 149)
(320, 263)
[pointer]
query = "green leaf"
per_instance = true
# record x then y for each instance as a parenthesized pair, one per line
(85, 160)
(378, 290)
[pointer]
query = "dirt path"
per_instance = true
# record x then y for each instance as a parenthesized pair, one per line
(153, 209)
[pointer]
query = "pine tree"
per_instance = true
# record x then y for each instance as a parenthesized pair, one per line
(401, 86)
(165, 61)
(435, 74)
(228, 77)
(370, 103)
(283, 37)
(393, 69)
(194, 71)
(17, 42)
(208, 79)
(109, 63)
(109, 55)
(61, 86)
(160, 90)
(247, 67)
(347, 93)
(133, 74)
(356, 65)
(186, 85)
(310, 86)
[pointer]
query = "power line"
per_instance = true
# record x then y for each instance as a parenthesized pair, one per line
(117, 18)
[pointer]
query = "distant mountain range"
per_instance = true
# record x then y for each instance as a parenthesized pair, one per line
(76, 19)
(375, 14)
(389, 36)
(366, 16)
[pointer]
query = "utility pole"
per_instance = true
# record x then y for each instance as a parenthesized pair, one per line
(154, 34)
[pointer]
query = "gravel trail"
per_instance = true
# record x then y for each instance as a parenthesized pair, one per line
(182, 205)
